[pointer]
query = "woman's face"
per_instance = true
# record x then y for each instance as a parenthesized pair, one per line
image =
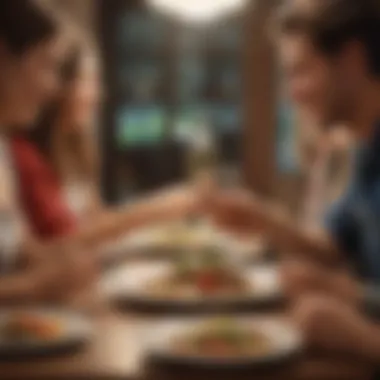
(28, 81)
(83, 98)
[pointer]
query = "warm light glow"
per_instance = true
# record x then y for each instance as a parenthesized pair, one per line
(198, 10)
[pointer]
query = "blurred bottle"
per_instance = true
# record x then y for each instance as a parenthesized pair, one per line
(202, 153)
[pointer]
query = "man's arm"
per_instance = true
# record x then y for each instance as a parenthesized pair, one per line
(371, 343)
(370, 301)
(287, 235)
(332, 325)
(240, 210)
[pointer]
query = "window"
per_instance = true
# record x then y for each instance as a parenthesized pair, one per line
(287, 162)
(206, 67)
(164, 78)
(142, 105)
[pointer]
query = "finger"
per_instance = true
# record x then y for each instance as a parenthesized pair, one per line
(208, 199)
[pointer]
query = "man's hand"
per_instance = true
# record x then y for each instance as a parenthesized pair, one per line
(300, 278)
(328, 324)
(242, 212)
(236, 210)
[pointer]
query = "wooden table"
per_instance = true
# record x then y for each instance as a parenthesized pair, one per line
(115, 353)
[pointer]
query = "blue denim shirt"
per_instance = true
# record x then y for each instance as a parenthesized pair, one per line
(354, 221)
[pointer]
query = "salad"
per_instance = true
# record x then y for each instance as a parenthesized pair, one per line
(203, 273)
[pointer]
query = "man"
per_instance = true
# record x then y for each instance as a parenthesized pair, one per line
(331, 55)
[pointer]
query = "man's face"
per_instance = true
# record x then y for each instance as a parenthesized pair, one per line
(325, 89)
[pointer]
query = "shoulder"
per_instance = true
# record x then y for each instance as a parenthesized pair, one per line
(26, 156)
(21, 147)
(375, 195)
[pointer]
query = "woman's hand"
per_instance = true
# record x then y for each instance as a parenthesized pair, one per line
(64, 271)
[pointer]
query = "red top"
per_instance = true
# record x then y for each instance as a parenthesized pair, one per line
(40, 192)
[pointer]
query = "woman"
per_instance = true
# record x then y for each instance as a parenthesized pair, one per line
(74, 138)
(57, 167)
(32, 47)
(65, 133)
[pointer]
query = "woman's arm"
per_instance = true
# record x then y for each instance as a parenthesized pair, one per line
(26, 280)
(114, 223)
(21, 288)
(55, 272)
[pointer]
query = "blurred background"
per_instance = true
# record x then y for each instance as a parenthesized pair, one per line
(166, 75)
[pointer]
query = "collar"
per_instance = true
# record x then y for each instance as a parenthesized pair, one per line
(368, 158)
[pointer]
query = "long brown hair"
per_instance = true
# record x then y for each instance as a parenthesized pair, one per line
(70, 151)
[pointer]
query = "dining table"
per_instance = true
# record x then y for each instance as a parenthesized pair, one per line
(116, 352)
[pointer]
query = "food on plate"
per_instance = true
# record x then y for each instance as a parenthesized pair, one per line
(170, 239)
(184, 234)
(206, 274)
(220, 339)
(26, 326)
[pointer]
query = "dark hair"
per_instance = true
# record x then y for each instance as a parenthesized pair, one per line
(71, 66)
(331, 24)
(23, 24)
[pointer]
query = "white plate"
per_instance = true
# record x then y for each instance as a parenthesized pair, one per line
(127, 285)
(284, 339)
(76, 330)
(158, 240)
